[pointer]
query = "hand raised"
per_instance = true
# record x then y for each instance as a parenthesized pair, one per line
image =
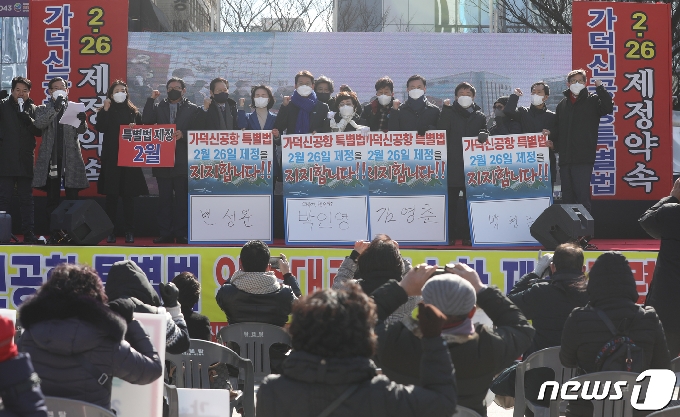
(155, 94)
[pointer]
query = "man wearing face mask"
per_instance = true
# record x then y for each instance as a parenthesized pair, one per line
(417, 113)
(376, 113)
(59, 156)
(575, 137)
(16, 152)
(303, 112)
(462, 118)
(173, 184)
(220, 111)
(324, 88)
(503, 125)
(536, 118)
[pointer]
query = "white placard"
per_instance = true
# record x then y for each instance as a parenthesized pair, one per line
(505, 222)
(420, 218)
(129, 400)
(70, 116)
(327, 219)
(230, 218)
(203, 402)
(10, 314)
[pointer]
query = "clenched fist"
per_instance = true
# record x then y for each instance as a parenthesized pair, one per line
(155, 94)
(242, 102)
(286, 100)
(107, 103)
(518, 92)
(395, 104)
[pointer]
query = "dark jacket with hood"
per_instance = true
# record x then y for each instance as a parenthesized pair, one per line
(414, 115)
(477, 358)
(459, 123)
(505, 126)
(20, 388)
(63, 332)
(309, 383)
(548, 303)
(371, 115)
(286, 118)
(575, 136)
(612, 289)
(662, 221)
(126, 280)
(17, 138)
(210, 120)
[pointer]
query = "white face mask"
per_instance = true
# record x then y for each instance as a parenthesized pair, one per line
(304, 90)
(536, 100)
(261, 102)
(465, 101)
(119, 97)
(59, 93)
(576, 88)
(384, 99)
(346, 110)
(416, 93)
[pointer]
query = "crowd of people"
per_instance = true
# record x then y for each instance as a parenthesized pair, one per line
(572, 132)
(387, 338)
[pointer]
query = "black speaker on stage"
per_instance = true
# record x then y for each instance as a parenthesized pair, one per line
(561, 223)
(83, 222)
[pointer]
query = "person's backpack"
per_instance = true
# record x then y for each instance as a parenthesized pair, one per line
(620, 353)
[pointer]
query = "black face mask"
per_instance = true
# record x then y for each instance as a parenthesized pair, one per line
(174, 95)
(221, 97)
(325, 97)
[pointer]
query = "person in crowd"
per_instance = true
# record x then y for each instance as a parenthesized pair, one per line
(253, 294)
(19, 386)
(330, 369)
(611, 290)
(220, 110)
(372, 264)
(324, 88)
(173, 183)
(662, 221)
(377, 112)
(462, 118)
(116, 181)
(347, 118)
(127, 283)
(535, 118)
(478, 353)
(417, 113)
(17, 113)
(503, 125)
(189, 294)
(577, 120)
(78, 344)
(307, 114)
(59, 155)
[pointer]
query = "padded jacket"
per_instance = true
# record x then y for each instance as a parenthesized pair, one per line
(20, 392)
(286, 119)
(406, 118)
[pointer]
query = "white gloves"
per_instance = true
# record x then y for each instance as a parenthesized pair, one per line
(543, 264)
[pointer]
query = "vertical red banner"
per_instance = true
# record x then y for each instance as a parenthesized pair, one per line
(628, 47)
(84, 42)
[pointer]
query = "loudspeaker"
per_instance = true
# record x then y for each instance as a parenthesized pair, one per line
(83, 222)
(561, 223)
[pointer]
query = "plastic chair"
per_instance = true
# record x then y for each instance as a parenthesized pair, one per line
(666, 412)
(192, 370)
(465, 412)
(173, 402)
(610, 408)
(74, 408)
(254, 341)
(545, 358)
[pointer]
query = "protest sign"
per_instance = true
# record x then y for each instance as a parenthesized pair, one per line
(151, 146)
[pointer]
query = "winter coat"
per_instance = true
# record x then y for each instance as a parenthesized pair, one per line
(210, 119)
(309, 383)
(534, 120)
(662, 221)
(187, 118)
(406, 118)
(249, 121)
(505, 126)
(286, 119)
(73, 165)
(17, 139)
(20, 388)
(459, 123)
(548, 303)
(198, 325)
(477, 358)
(113, 179)
(62, 332)
(577, 124)
(371, 115)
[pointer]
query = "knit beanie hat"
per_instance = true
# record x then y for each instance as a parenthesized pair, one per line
(503, 100)
(611, 277)
(8, 349)
(451, 294)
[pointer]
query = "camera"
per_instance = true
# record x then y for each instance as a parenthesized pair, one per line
(445, 270)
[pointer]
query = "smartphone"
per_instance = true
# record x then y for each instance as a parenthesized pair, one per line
(274, 262)
(445, 270)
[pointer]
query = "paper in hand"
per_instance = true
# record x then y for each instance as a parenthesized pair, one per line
(70, 116)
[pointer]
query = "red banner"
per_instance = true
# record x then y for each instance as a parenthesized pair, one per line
(147, 146)
(628, 47)
(84, 42)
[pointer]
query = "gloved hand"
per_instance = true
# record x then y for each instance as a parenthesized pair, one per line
(483, 136)
(543, 264)
(124, 307)
(430, 320)
(169, 294)
(59, 103)
(82, 116)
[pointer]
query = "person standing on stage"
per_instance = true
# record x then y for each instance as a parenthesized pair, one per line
(116, 181)
(303, 112)
(377, 112)
(575, 137)
(220, 110)
(417, 113)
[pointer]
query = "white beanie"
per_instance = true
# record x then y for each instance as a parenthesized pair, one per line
(451, 294)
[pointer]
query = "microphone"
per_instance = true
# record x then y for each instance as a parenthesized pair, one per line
(21, 104)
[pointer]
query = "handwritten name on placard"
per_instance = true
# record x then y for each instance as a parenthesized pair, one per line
(230, 217)
(413, 218)
(339, 219)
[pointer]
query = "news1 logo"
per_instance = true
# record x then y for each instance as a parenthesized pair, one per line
(660, 390)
